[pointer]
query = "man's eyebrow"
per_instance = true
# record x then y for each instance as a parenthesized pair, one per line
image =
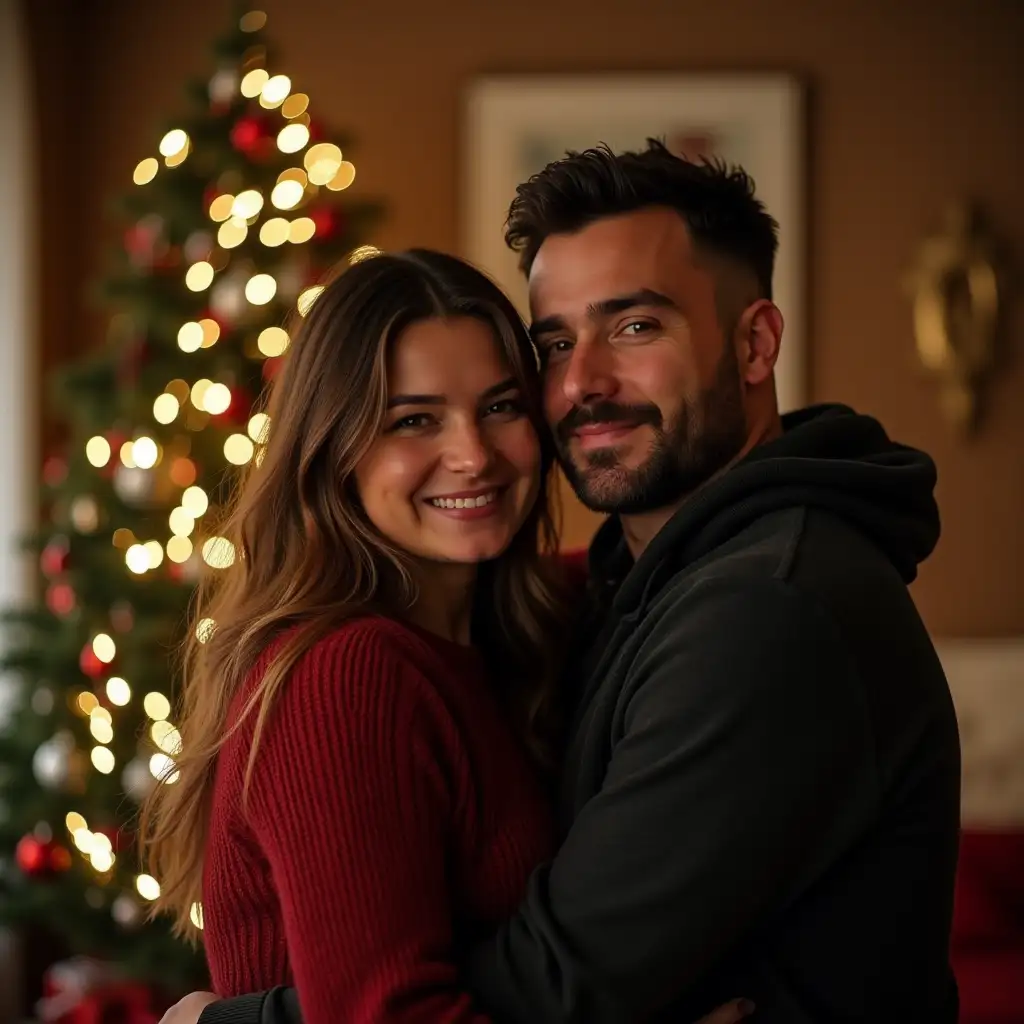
(606, 307)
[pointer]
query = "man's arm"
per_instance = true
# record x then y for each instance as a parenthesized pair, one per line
(744, 769)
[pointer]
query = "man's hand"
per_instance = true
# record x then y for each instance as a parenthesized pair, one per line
(730, 1013)
(187, 1010)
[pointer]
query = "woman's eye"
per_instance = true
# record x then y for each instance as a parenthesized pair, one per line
(416, 420)
(506, 407)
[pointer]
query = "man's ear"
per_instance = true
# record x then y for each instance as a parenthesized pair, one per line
(758, 337)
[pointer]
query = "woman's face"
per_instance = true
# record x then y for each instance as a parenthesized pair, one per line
(456, 469)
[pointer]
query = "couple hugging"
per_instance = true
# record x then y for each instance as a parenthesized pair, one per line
(434, 773)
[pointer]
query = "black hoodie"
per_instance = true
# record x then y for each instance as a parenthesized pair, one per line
(762, 783)
(762, 779)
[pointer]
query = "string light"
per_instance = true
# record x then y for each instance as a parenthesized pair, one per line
(198, 392)
(218, 553)
(125, 455)
(173, 143)
(295, 105)
(156, 706)
(97, 451)
(260, 289)
(165, 409)
(137, 559)
(220, 208)
(195, 915)
(275, 231)
(103, 760)
(166, 737)
(163, 769)
(199, 276)
(154, 553)
(275, 91)
(287, 194)
(259, 427)
(252, 21)
(118, 691)
(322, 162)
(238, 449)
(216, 399)
(102, 731)
(74, 822)
(232, 233)
(104, 648)
(273, 341)
(145, 170)
(195, 501)
(86, 702)
(301, 230)
(179, 549)
(145, 452)
(345, 176)
(306, 299)
(205, 629)
(211, 331)
(292, 137)
(252, 84)
(148, 887)
(181, 522)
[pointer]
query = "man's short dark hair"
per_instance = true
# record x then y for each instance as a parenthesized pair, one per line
(716, 201)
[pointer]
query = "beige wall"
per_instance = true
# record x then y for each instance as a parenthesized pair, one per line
(912, 104)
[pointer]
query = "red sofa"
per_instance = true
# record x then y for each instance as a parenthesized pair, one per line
(988, 927)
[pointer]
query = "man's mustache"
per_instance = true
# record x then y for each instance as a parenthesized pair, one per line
(605, 412)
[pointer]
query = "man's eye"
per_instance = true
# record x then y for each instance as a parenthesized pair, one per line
(635, 327)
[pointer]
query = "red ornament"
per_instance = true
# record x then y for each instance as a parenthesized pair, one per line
(38, 859)
(55, 470)
(250, 135)
(55, 557)
(89, 663)
(60, 599)
(327, 221)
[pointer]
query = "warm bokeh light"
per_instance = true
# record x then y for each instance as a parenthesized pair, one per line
(195, 501)
(275, 91)
(118, 691)
(322, 162)
(259, 427)
(173, 143)
(162, 767)
(275, 231)
(97, 451)
(306, 299)
(181, 522)
(145, 452)
(205, 629)
(155, 552)
(292, 137)
(345, 176)
(179, 549)
(199, 276)
(103, 760)
(295, 105)
(156, 705)
(217, 399)
(125, 455)
(252, 84)
(232, 233)
(165, 408)
(148, 887)
(198, 392)
(183, 472)
(273, 341)
(287, 194)
(137, 559)
(145, 170)
(260, 289)
(220, 208)
(218, 553)
(302, 229)
(104, 648)
(238, 449)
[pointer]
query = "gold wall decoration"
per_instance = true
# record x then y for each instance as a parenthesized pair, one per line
(954, 288)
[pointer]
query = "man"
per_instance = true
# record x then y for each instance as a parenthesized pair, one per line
(761, 782)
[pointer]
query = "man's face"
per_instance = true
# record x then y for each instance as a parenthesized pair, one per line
(642, 390)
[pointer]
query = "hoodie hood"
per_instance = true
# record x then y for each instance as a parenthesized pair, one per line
(828, 457)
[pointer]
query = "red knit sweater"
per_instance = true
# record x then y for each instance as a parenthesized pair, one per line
(390, 803)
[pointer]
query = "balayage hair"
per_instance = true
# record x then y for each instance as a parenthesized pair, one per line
(308, 557)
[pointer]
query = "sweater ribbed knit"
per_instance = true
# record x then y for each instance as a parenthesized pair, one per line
(391, 808)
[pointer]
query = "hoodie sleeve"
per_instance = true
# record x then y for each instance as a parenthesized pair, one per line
(744, 769)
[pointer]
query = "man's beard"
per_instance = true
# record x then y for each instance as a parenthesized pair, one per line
(703, 437)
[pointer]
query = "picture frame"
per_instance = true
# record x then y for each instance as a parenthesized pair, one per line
(515, 124)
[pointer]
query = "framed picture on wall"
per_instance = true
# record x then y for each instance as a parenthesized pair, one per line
(514, 125)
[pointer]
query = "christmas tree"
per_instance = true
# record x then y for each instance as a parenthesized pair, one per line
(228, 231)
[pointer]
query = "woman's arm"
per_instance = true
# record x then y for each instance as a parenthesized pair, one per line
(350, 803)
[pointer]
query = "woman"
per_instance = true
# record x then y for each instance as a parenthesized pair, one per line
(365, 730)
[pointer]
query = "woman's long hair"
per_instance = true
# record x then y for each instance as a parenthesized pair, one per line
(307, 557)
